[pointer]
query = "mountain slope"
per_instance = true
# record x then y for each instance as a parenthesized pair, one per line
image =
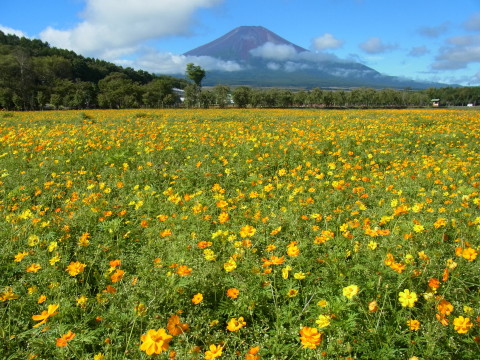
(266, 59)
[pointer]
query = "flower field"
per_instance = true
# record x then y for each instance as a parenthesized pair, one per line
(240, 234)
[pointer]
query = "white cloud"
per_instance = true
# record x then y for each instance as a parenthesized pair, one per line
(459, 52)
(8, 30)
(434, 31)
(326, 41)
(374, 45)
(418, 51)
(274, 52)
(168, 63)
(111, 27)
(473, 23)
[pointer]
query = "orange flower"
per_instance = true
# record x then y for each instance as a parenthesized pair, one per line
(469, 253)
(445, 307)
(233, 293)
(184, 270)
(175, 327)
(75, 268)
(310, 337)
(204, 244)
(252, 353)
(34, 268)
(434, 283)
(197, 298)
(117, 275)
(65, 338)
(43, 317)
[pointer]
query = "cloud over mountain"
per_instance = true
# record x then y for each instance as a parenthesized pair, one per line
(375, 45)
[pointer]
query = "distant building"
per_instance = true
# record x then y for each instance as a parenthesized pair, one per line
(180, 94)
(435, 102)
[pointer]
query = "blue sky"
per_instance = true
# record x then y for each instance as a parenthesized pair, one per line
(418, 39)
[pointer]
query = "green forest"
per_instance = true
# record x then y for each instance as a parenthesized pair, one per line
(36, 76)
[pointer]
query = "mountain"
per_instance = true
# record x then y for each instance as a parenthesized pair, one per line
(264, 59)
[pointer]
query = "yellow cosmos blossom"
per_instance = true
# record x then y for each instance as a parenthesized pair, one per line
(407, 298)
(413, 325)
(247, 231)
(19, 257)
(230, 265)
(350, 291)
(213, 352)
(462, 325)
(323, 321)
(235, 324)
(155, 341)
(45, 315)
(75, 268)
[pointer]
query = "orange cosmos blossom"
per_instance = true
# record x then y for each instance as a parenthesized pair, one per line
(117, 275)
(252, 353)
(43, 317)
(175, 327)
(65, 338)
(155, 341)
(274, 260)
(310, 337)
(197, 298)
(184, 270)
(445, 307)
(233, 293)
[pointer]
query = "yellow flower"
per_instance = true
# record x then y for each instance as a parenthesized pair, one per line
(82, 301)
(99, 356)
(8, 294)
(323, 303)
(19, 257)
(43, 317)
(407, 298)
(462, 325)
(214, 352)
(75, 268)
(234, 325)
(247, 231)
(292, 293)
(323, 321)
(230, 265)
(413, 324)
(350, 291)
(299, 275)
(155, 341)
(310, 337)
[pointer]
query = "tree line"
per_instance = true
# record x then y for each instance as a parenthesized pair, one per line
(34, 76)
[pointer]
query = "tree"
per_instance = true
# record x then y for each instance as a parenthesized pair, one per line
(241, 96)
(221, 94)
(195, 73)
